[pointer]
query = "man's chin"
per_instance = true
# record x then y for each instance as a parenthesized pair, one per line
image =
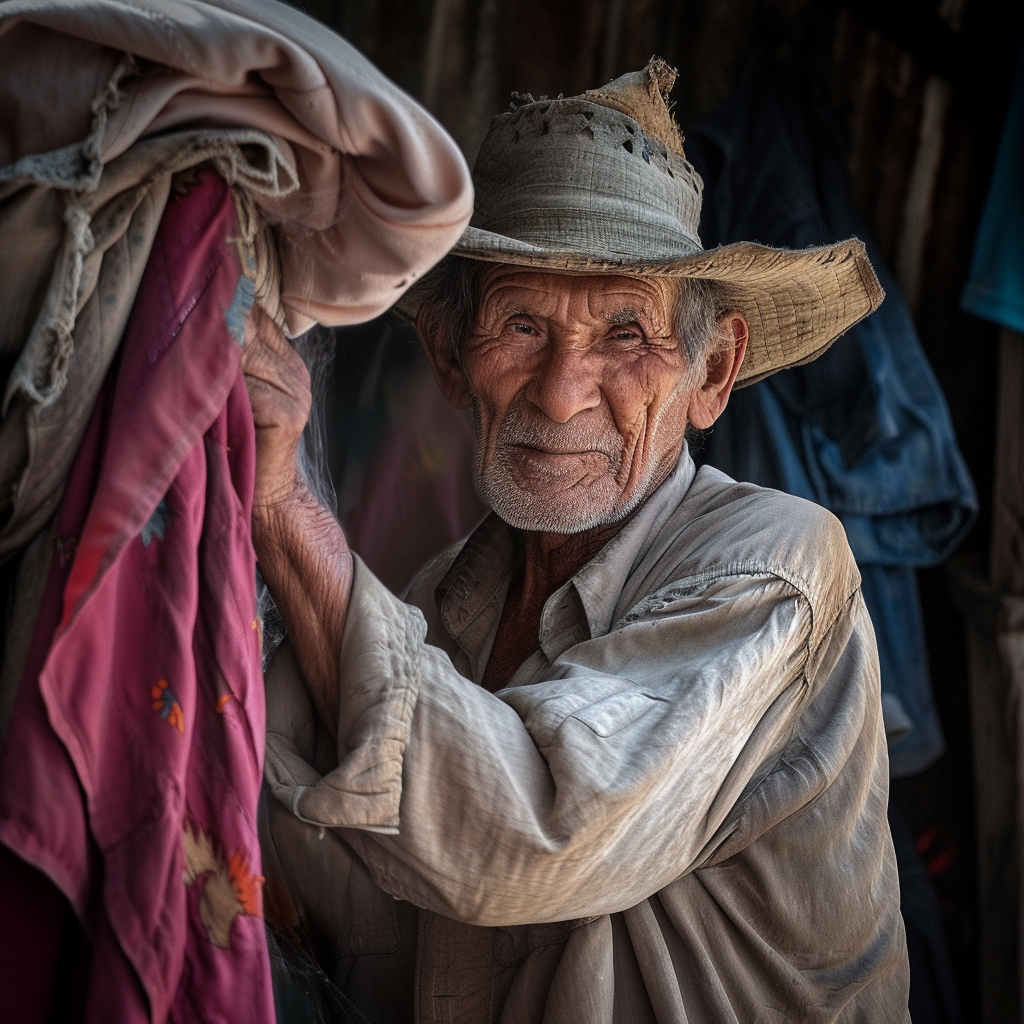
(557, 523)
(551, 474)
(559, 512)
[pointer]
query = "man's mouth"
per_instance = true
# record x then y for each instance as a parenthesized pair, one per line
(556, 452)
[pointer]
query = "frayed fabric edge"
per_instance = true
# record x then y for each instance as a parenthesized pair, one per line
(77, 167)
(41, 371)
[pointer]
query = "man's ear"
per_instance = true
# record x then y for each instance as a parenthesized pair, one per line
(711, 397)
(435, 337)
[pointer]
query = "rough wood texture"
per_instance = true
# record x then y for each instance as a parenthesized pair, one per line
(995, 610)
(1006, 572)
(995, 630)
(1006, 565)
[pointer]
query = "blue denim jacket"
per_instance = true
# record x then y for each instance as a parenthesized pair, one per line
(864, 430)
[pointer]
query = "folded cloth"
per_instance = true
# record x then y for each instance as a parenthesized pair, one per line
(54, 382)
(131, 769)
(86, 252)
(864, 430)
(365, 190)
(383, 191)
(362, 191)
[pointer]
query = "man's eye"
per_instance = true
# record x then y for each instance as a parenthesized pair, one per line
(627, 334)
(521, 328)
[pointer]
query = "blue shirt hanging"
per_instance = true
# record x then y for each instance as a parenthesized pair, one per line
(864, 430)
(995, 288)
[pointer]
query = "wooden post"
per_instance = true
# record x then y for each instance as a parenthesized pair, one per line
(995, 636)
(995, 738)
(1006, 564)
(1006, 572)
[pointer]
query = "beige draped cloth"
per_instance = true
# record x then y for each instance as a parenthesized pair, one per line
(101, 102)
(383, 191)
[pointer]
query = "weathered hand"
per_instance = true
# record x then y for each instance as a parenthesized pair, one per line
(299, 545)
(279, 390)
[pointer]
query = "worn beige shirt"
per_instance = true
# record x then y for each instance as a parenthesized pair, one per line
(674, 812)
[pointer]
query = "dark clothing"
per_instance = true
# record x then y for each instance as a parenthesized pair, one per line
(864, 430)
(995, 288)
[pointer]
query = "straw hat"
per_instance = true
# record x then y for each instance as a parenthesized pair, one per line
(599, 183)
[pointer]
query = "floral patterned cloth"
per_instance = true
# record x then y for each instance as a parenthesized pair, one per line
(132, 766)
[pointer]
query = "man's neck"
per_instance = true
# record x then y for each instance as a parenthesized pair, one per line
(545, 562)
(549, 559)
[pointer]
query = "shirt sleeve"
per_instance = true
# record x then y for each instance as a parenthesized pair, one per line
(580, 795)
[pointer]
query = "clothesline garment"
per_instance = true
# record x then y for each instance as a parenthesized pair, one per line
(132, 766)
(675, 811)
(995, 285)
(864, 430)
(381, 193)
(365, 190)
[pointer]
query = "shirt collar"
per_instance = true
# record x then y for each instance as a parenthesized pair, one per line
(601, 580)
(471, 595)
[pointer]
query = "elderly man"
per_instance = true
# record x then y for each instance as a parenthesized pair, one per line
(620, 757)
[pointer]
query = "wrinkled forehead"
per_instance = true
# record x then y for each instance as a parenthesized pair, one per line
(506, 288)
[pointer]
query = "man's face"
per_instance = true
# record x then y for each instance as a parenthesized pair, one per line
(579, 390)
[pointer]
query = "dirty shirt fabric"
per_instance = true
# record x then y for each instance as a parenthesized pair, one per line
(131, 770)
(676, 811)
(864, 430)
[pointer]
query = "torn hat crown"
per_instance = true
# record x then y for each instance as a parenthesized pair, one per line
(643, 96)
(599, 183)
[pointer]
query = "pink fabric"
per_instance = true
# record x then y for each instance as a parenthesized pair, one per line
(384, 191)
(138, 732)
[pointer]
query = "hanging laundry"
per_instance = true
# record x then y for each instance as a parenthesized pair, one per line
(134, 755)
(364, 189)
(995, 287)
(863, 430)
(131, 706)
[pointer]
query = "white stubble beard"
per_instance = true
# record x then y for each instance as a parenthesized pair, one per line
(567, 504)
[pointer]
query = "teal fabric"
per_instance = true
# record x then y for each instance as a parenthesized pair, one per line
(995, 288)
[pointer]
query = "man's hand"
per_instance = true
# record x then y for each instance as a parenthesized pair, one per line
(279, 390)
(299, 545)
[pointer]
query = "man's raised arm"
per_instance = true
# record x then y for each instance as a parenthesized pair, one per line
(300, 546)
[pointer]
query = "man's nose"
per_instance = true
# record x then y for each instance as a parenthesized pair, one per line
(565, 384)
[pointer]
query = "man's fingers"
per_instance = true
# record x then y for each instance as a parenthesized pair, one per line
(280, 358)
(260, 327)
(278, 384)
(291, 381)
(276, 376)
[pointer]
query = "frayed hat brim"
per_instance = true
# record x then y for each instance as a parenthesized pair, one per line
(796, 302)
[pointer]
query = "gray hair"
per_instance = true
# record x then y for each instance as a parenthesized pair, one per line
(453, 289)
